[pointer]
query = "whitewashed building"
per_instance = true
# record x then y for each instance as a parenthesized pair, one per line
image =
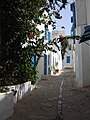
(56, 58)
(68, 61)
(82, 53)
(44, 65)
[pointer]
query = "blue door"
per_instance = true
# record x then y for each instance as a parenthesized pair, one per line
(49, 70)
(45, 64)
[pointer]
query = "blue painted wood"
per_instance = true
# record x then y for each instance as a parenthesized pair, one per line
(68, 59)
(45, 64)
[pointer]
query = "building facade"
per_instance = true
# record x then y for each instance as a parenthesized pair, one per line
(73, 29)
(82, 52)
(44, 65)
(73, 19)
(68, 58)
(56, 58)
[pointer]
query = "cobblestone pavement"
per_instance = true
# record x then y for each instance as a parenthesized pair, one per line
(55, 98)
(76, 101)
(42, 102)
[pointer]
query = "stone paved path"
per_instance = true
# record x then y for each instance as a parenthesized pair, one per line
(42, 102)
(76, 101)
(55, 98)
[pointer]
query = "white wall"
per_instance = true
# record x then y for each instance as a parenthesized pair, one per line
(82, 66)
(81, 12)
(85, 64)
(56, 57)
(8, 99)
(6, 105)
(21, 90)
(88, 11)
(74, 59)
(40, 68)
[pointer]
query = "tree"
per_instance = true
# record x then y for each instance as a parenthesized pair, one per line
(19, 19)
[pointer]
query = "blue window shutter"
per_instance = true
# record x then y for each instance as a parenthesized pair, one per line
(45, 64)
(71, 7)
(71, 19)
(48, 59)
(68, 59)
(46, 34)
(49, 36)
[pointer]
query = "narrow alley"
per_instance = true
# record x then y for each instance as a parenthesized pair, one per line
(55, 98)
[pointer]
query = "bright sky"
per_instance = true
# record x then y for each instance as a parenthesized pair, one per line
(66, 19)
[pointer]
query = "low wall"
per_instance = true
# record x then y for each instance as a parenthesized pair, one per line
(6, 105)
(8, 99)
(20, 90)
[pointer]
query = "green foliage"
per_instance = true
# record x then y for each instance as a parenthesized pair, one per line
(19, 19)
(12, 73)
(3, 90)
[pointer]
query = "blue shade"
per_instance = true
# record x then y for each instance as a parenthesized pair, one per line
(85, 36)
(68, 59)
(87, 28)
(73, 19)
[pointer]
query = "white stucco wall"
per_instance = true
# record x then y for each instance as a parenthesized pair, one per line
(81, 12)
(6, 105)
(82, 56)
(56, 57)
(8, 99)
(40, 68)
(21, 90)
(74, 58)
(88, 11)
(83, 65)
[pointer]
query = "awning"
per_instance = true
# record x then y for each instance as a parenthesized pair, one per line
(85, 36)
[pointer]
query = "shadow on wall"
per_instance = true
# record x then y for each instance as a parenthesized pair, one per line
(6, 105)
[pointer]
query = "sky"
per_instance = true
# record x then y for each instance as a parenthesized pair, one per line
(66, 19)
